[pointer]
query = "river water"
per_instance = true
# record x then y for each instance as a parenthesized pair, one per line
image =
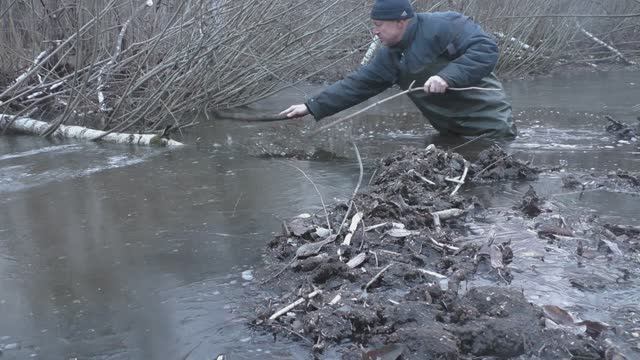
(111, 252)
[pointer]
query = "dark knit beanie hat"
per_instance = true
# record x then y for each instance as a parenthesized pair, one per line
(391, 10)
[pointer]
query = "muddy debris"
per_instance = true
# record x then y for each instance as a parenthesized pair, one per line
(622, 131)
(494, 164)
(389, 279)
(531, 204)
(618, 180)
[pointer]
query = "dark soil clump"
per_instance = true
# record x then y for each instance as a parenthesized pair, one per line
(495, 164)
(531, 203)
(392, 283)
(619, 180)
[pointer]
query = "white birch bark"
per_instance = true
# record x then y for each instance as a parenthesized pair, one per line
(26, 74)
(371, 51)
(521, 44)
(602, 43)
(37, 127)
(105, 72)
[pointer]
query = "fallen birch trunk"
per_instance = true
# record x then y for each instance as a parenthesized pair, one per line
(604, 44)
(37, 127)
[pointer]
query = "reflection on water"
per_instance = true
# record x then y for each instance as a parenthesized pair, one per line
(132, 253)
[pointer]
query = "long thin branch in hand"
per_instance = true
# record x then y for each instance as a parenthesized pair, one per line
(410, 89)
(335, 122)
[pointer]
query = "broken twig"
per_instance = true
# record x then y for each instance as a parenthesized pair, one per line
(414, 172)
(377, 276)
(357, 260)
(448, 214)
(443, 246)
(355, 191)
(285, 309)
(324, 207)
(352, 228)
(464, 176)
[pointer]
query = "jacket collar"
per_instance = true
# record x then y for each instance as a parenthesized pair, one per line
(409, 35)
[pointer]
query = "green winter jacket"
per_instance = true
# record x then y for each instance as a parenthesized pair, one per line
(447, 44)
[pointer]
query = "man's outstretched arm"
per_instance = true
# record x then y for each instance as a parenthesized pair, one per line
(357, 87)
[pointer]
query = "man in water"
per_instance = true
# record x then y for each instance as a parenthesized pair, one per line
(444, 52)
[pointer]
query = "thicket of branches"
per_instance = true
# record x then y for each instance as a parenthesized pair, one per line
(125, 65)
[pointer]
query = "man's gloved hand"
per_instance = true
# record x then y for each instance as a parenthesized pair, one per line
(295, 111)
(435, 85)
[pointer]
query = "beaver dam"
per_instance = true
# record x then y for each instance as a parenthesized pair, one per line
(392, 274)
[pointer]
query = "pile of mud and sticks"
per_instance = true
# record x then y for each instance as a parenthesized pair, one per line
(384, 276)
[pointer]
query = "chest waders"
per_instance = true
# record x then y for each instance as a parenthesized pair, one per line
(466, 113)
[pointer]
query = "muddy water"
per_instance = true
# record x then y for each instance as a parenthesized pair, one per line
(112, 253)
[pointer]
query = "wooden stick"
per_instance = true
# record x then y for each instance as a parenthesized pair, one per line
(457, 181)
(464, 176)
(600, 42)
(375, 255)
(377, 276)
(444, 246)
(410, 89)
(448, 214)
(285, 309)
(390, 252)
(335, 299)
(335, 122)
(357, 260)
(373, 227)
(436, 222)
(324, 207)
(352, 228)
(414, 172)
(231, 115)
(355, 191)
(432, 273)
(472, 88)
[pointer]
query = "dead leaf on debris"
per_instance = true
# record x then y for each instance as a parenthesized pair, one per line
(300, 227)
(558, 315)
(314, 248)
(560, 318)
(594, 328)
(571, 329)
(400, 233)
